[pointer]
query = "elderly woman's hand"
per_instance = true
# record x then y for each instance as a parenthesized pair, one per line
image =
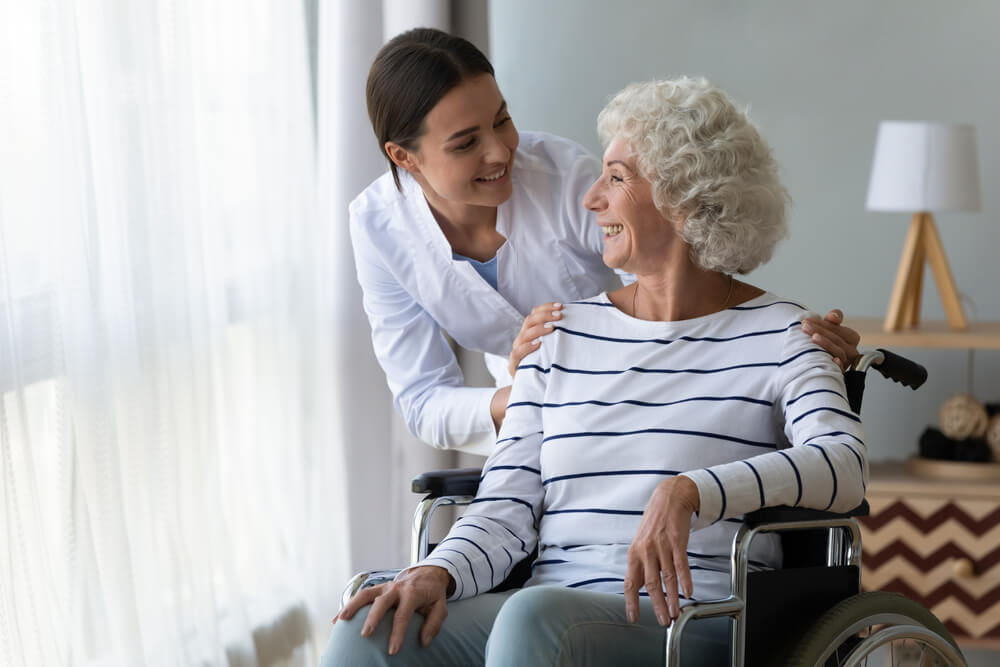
(659, 550)
(539, 322)
(830, 334)
(422, 589)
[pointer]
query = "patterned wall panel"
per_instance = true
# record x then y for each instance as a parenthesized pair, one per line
(940, 550)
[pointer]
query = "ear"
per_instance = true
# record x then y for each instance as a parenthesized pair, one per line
(401, 157)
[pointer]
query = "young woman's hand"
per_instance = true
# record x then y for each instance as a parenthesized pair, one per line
(422, 589)
(539, 322)
(657, 559)
(830, 334)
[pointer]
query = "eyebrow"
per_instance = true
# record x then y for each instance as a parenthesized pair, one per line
(470, 130)
(611, 162)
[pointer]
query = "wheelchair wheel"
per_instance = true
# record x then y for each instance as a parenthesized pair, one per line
(883, 628)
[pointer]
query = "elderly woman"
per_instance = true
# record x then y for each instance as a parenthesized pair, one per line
(633, 442)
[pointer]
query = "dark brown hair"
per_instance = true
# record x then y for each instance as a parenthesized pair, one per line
(410, 74)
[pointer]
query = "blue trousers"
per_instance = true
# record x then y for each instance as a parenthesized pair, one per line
(540, 625)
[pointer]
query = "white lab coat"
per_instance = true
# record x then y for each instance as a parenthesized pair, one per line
(414, 290)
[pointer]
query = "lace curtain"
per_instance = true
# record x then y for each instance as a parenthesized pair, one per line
(171, 474)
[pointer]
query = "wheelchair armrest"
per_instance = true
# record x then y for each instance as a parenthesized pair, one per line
(784, 514)
(435, 483)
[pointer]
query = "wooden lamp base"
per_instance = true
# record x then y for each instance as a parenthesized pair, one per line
(922, 244)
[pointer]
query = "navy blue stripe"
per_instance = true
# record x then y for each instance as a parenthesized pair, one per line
(669, 371)
(510, 565)
(524, 547)
(552, 561)
(472, 525)
(485, 555)
(668, 341)
(815, 391)
(823, 435)
(803, 352)
(722, 490)
(471, 570)
(527, 468)
(590, 303)
(513, 439)
(833, 474)
(513, 500)
(608, 473)
(798, 478)
(861, 465)
(595, 510)
(767, 305)
(669, 431)
(642, 404)
(599, 580)
(842, 413)
(760, 485)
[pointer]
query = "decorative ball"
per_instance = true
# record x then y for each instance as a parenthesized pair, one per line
(962, 416)
(993, 436)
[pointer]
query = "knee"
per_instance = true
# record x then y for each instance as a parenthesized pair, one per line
(347, 647)
(529, 609)
(530, 627)
(534, 602)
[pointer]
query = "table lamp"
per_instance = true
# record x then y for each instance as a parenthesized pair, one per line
(923, 167)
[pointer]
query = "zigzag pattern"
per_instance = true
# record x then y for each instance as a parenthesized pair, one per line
(949, 550)
(900, 509)
(910, 547)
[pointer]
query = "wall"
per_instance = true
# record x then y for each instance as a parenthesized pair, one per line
(818, 77)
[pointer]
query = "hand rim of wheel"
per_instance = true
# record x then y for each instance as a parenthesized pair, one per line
(940, 646)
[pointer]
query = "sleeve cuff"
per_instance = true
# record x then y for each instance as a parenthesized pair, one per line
(484, 444)
(709, 498)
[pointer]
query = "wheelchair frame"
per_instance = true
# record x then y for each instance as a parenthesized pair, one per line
(843, 548)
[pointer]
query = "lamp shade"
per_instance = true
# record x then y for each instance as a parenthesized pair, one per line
(924, 167)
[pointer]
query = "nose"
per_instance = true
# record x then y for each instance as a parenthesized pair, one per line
(496, 150)
(593, 200)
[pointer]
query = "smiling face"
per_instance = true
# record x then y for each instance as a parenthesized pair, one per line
(637, 237)
(465, 156)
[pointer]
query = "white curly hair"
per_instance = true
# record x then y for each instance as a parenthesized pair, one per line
(711, 172)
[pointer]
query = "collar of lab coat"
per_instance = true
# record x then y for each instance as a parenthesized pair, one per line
(461, 274)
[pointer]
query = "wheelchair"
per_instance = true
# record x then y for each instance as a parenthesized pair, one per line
(810, 612)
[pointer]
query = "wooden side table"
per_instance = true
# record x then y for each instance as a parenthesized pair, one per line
(937, 542)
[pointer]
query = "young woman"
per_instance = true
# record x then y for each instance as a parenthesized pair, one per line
(473, 227)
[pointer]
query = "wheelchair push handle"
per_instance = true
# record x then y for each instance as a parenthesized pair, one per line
(900, 369)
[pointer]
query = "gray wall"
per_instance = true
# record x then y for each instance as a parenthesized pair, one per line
(817, 77)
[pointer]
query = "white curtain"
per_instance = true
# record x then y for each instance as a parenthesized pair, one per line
(172, 481)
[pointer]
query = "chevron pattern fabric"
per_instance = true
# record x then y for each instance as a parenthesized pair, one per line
(918, 546)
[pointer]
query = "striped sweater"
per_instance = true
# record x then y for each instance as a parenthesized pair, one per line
(740, 401)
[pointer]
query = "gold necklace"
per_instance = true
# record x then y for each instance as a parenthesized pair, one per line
(732, 285)
(730, 295)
